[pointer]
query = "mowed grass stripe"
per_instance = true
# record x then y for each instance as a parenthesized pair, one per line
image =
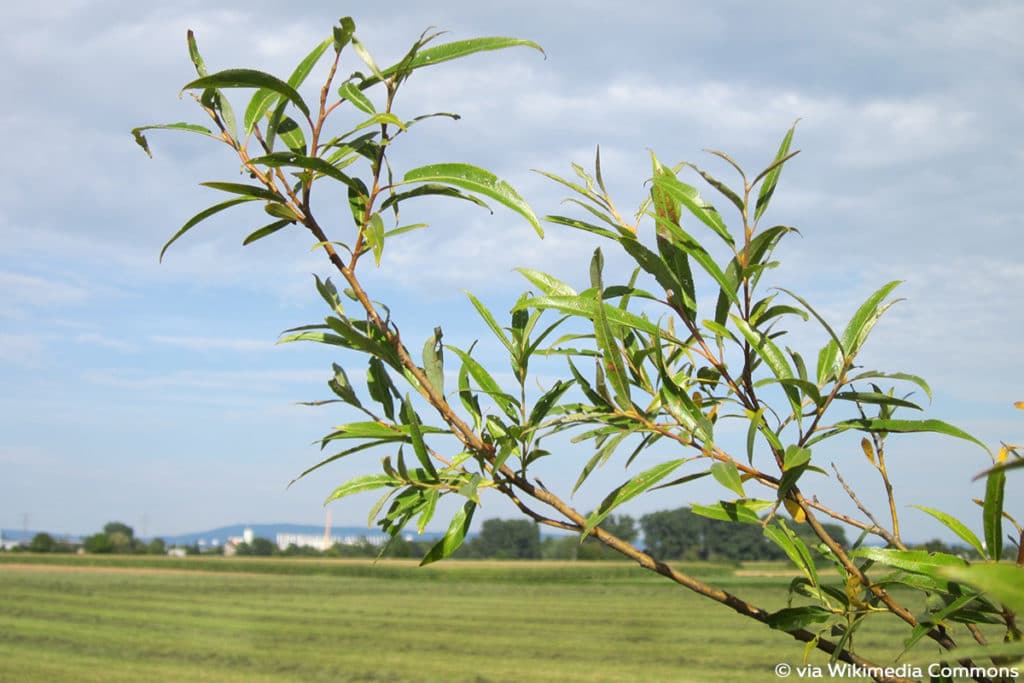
(178, 626)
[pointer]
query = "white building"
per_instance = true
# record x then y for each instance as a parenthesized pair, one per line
(320, 542)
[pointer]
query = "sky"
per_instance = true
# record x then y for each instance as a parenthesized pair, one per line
(154, 393)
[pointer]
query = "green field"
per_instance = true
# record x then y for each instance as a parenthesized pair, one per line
(156, 619)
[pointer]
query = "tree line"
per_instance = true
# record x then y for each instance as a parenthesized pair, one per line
(679, 534)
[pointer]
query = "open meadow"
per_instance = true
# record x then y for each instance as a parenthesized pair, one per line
(231, 620)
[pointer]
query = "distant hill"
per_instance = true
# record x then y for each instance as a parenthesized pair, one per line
(270, 531)
(220, 535)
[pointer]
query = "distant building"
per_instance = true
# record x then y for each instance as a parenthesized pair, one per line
(319, 542)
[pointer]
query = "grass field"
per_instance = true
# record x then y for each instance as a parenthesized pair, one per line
(155, 619)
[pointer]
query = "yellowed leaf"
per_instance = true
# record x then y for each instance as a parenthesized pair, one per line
(1019, 404)
(795, 511)
(868, 449)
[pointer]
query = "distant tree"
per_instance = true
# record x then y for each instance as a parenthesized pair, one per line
(111, 528)
(506, 539)
(262, 547)
(156, 547)
(98, 543)
(42, 543)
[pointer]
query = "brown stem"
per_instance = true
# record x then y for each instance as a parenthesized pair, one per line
(877, 529)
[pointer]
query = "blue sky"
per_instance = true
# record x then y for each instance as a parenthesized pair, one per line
(154, 393)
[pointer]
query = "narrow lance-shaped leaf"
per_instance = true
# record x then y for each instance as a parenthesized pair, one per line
(957, 527)
(865, 318)
(483, 378)
(412, 421)
(726, 474)
(266, 231)
(771, 178)
(201, 216)
(433, 361)
(689, 197)
(366, 482)
(1003, 582)
(455, 535)
(631, 489)
(349, 91)
(141, 141)
(263, 98)
(907, 426)
(992, 513)
(453, 50)
(317, 165)
(476, 180)
(249, 78)
(491, 323)
(607, 341)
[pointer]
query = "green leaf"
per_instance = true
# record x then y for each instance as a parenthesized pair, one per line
(266, 230)
(430, 505)
(544, 404)
(607, 340)
(351, 92)
(342, 33)
(689, 197)
(957, 527)
(381, 388)
(631, 489)
(201, 216)
(249, 78)
(367, 430)
(726, 474)
(794, 547)
(827, 362)
(865, 318)
(796, 618)
(491, 323)
(329, 293)
(449, 51)
(771, 177)
(875, 398)
(992, 513)
(586, 306)
(871, 374)
(907, 426)
(366, 482)
(484, 380)
(340, 385)
(455, 535)
(548, 284)
(433, 361)
(419, 446)
(475, 180)
(1002, 582)
(315, 164)
(193, 52)
(795, 456)
(739, 511)
(373, 233)
(253, 191)
(141, 141)
(916, 561)
(430, 189)
(263, 98)
(291, 134)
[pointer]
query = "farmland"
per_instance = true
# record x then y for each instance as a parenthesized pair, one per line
(159, 619)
